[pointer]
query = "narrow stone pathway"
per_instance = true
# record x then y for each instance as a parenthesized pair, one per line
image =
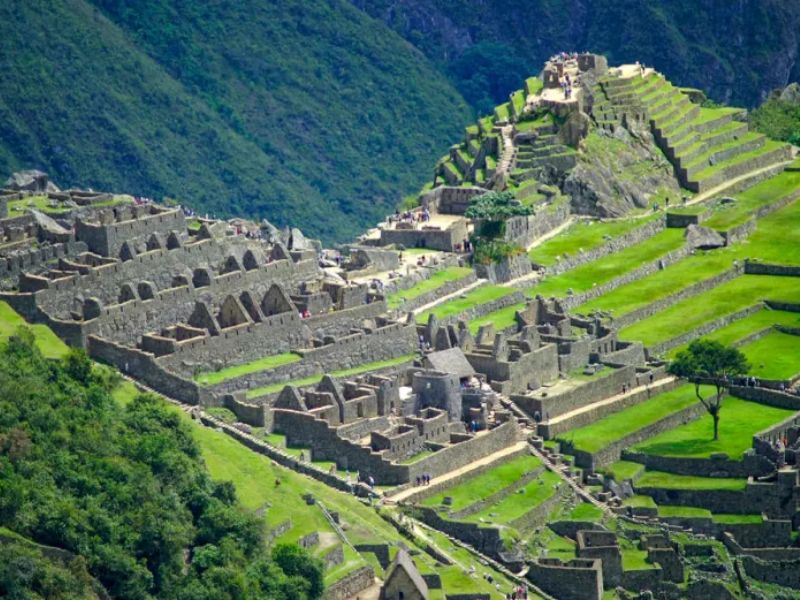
(609, 401)
(507, 157)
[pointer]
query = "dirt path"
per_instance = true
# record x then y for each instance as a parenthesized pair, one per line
(455, 294)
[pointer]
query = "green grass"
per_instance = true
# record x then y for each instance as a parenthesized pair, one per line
(477, 488)
(670, 481)
(739, 421)
(725, 299)
(584, 277)
(737, 519)
(42, 204)
(417, 457)
(502, 318)
(585, 512)
(561, 547)
(639, 502)
(752, 199)
(521, 501)
(48, 342)
(603, 432)
(373, 366)
(125, 392)
(480, 295)
(774, 356)
(262, 364)
(635, 560)
(743, 327)
(709, 172)
(623, 469)
(435, 281)
(685, 512)
(585, 235)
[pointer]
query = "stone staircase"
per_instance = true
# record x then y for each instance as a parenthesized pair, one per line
(542, 153)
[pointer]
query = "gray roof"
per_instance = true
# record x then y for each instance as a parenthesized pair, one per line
(451, 360)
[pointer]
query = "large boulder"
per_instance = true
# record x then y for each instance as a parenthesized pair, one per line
(791, 93)
(575, 128)
(31, 181)
(703, 238)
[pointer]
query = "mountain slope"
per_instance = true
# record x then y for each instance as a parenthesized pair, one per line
(309, 113)
(736, 51)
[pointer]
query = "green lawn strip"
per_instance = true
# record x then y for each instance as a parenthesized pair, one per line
(373, 366)
(774, 356)
(616, 426)
(42, 204)
(634, 559)
(686, 512)
(435, 281)
(725, 299)
(670, 481)
(417, 457)
(623, 469)
(48, 342)
(677, 276)
(751, 324)
(261, 364)
(480, 295)
(477, 488)
(502, 318)
(601, 271)
(585, 512)
(561, 547)
(768, 146)
(639, 502)
(519, 502)
(586, 235)
(739, 421)
(225, 415)
(352, 561)
(737, 519)
(750, 200)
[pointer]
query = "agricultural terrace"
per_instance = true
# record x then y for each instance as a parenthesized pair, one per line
(435, 281)
(481, 295)
(775, 356)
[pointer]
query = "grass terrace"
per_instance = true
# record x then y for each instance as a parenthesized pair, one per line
(623, 469)
(586, 235)
(670, 481)
(725, 299)
(739, 421)
(484, 485)
(585, 512)
(365, 368)
(683, 512)
(262, 364)
(639, 502)
(744, 327)
(750, 200)
(520, 502)
(48, 342)
(480, 295)
(42, 204)
(435, 281)
(775, 356)
(500, 318)
(599, 272)
(601, 433)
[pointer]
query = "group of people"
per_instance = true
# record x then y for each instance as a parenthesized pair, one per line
(518, 593)
(465, 246)
(411, 216)
(423, 479)
(566, 86)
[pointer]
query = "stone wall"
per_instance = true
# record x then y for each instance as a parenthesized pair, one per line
(538, 366)
(480, 310)
(483, 538)
(443, 290)
(506, 270)
(608, 247)
(351, 584)
(36, 258)
(612, 453)
(715, 466)
(578, 579)
(524, 230)
(435, 239)
(107, 239)
(688, 292)
(704, 329)
(785, 573)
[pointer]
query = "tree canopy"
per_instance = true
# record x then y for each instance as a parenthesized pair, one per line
(710, 362)
(122, 489)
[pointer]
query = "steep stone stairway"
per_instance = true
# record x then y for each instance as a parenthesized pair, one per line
(536, 154)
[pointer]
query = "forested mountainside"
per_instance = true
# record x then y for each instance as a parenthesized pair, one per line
(303, 112)
(735, 51)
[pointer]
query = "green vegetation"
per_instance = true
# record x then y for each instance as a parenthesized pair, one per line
(481, 486)
(752, 199)
(683, 512)
(737, 519)
(180, 108)
(46, 341)
(604, 270)
(603, 432)
(725, 299)
(639, 502)
(751, 324)
(262, 364)
(774, 356)
(373, 366)
(502, 318)
(709, 362)
(480, 295)
(124, 488)
(670, 481)
(585, 512)
(623, 469)
(583, 235)
(520, 502)
(742, 419)
(779, 119)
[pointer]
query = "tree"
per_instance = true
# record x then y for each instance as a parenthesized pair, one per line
(710, 362)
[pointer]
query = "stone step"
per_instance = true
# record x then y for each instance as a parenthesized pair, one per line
(770, 154)
(722, 152)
